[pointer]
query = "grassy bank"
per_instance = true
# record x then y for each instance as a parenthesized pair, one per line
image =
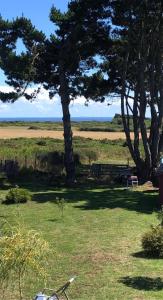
(88, 150)
(81, 126)
(97, 239)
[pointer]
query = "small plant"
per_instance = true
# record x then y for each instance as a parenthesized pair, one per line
(22, 251)
(17, 195)
(61, 204)
(152, 241)
(41, 143)
(92, 155)
(34, 127)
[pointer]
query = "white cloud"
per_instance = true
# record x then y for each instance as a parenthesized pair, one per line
(79, 101)
(3, 107)
(42, 106)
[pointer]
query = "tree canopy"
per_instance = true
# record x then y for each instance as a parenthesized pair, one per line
(57, 62)
(100, 49)
(131, 69)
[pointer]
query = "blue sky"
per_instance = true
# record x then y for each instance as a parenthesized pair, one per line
(38, 12)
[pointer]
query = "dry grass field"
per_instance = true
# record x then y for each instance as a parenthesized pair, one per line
(16, 132)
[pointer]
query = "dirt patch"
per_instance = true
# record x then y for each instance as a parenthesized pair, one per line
(101, 257)
(16, 132)
(146, 187)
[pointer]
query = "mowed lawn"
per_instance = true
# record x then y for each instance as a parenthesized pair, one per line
(98, 239)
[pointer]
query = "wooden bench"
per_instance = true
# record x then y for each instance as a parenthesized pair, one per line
(121, 171)
(83, 170)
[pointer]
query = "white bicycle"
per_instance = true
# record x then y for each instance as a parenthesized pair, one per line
(55, 295)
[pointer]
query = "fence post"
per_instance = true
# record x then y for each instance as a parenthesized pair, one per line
(25, 161)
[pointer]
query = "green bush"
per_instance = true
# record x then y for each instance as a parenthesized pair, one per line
(17, 195)
(34, 127)
(152, 242)
(85, 155)
(22, 252)
(98, 129)
(41, 143)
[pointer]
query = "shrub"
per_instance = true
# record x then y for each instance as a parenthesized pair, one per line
(51, 162)
(41, 143)
(91, 155)
(98, 129)
(125, 144)
(152, 242)
(85, 155)
(51, 158)
(17, 195)
(104, 141)
(22, 252)
(119, 122)
(34, 127)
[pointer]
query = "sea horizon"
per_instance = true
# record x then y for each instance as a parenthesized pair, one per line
(54, 119)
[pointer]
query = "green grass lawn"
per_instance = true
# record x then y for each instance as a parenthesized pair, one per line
(98, 239)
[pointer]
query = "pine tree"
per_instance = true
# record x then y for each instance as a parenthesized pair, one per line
(131, 69)
(56, 62)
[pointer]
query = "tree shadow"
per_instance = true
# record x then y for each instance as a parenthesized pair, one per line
(94, 199)
(143, 283)
(127, 199)
(144, 255)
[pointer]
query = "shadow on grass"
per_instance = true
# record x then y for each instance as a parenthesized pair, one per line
(143, 283)
(53, 220)
(102, 198)
(144, 255)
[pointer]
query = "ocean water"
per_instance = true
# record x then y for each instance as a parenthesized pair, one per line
(48, 119)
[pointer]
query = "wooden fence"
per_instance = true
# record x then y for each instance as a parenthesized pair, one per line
(99, 170)
(12, 168)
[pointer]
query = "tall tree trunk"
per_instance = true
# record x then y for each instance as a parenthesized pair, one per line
(125, 123)
(134, 150)
(142, 62)
(147, 86)
(160, 71)
(143, 165)
(68, 145)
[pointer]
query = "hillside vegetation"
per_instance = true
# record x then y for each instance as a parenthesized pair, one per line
(88, 150)
(114, 126)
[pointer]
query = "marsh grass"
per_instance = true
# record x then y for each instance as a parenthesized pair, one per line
(27, 151)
